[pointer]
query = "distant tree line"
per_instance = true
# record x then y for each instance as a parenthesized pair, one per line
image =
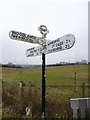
(11, 65)
(66, 64)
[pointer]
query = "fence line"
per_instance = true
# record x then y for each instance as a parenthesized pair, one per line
(83, 86)
(39, 85)
(30, 85)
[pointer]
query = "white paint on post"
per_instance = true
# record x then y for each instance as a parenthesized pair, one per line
(27, 110)
(21, 84)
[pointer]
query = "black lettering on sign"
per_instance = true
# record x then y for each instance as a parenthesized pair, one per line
(67, 46)
(27, 37)
(53, 45)
(55, 49)
(30, 49)
(54, 41)
(49, 51)
(31, 54)
(14, 34)
(18, 35)
(35, 51)
(23, 36)
(67, 41)
(50, 43)
(61, 43)
(59, 48)
(58, 39)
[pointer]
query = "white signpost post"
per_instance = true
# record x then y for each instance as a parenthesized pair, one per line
(45, 47)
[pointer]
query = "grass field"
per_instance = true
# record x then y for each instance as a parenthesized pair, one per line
(57, 99)
(54, 75)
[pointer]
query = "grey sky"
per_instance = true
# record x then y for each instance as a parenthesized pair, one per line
(60, 16)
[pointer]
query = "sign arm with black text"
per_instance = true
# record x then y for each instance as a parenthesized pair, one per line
(45, 47)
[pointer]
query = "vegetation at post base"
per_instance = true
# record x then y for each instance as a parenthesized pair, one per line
(16, 99)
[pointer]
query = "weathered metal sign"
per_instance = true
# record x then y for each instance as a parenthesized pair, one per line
(45, 46)
(63, 43)
(25, 37)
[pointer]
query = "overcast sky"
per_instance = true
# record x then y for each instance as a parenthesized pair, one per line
(60, 16)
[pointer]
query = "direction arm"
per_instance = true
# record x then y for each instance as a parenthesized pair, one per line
(25, 37)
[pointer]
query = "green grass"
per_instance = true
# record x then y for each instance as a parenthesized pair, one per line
(57, 99)
(54, 75)
(62, 75)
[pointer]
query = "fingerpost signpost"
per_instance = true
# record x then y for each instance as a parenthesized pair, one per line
(45, 47)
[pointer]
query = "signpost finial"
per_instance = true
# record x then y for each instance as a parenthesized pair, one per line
(43, 30)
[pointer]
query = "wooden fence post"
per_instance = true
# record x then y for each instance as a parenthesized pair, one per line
(0, 99)
(21, 98)
(83, 90)
(31, 95)
(75, 79)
